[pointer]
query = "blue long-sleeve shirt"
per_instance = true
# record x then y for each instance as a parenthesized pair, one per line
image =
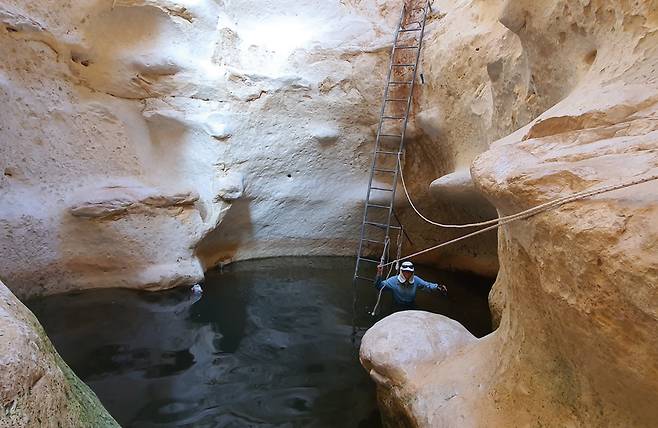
(404, 292)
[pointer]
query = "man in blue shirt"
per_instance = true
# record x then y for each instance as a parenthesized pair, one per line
(404, 285)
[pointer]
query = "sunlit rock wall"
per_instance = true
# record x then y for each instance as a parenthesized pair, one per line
(145, 141)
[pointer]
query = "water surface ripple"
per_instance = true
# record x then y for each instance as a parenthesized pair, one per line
(266, 344)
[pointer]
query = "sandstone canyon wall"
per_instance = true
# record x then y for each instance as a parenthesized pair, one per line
(143, 141)
(577, 293)
(37, 388)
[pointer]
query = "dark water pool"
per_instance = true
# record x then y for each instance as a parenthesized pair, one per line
(267, 344)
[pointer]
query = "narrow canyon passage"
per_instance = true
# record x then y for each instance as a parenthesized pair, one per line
(147, 146)
(266, 344)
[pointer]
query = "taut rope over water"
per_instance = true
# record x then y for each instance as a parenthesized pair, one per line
(501, 221)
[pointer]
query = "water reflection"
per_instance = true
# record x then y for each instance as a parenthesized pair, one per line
(267, 344)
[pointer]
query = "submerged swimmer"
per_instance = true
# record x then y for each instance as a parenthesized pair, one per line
(404, 285)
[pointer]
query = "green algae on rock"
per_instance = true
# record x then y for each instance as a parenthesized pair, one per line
(37, 388)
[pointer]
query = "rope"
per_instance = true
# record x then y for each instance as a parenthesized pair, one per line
(527, 213)
(384, 256)
(399, 253)
(387, 240)
(537, 209)
(381, 290)
(379, 298)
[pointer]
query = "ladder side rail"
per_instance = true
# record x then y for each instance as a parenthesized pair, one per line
(406, 114)
(377, 143)
(415, 74)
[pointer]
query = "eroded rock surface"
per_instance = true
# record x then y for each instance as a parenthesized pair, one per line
(37, 388)
(396, 346)
(577, 293)
(114, 201)
(145, 141)
(477, 88)
(268, 117)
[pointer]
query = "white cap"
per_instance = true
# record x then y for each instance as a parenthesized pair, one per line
(408, 266)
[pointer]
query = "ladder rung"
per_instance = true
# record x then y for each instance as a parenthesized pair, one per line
(393, 117)
(381, 225)
(387, 153)
(406, 30)
(403, 65)
(386, 207)
(392, 171)
(390, 135)
(400, 82)
(407, 47)
(369, 260)
(373, 241)
(363, 278)
(396, 99)
(381, 189)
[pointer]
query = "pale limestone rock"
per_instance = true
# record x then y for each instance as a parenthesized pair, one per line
(113, 201)
(37, 388)
(230, 187)
(171, 102)
(325, 133)
(576, 294)
(218, 126)
(172, 95)
(458, 187)
(458, 182)
(396, 346)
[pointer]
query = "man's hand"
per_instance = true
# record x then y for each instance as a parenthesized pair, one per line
(443, 289)
(380, 270)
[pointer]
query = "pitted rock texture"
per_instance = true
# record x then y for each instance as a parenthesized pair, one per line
(265, 119)
(37, 388)
(577, 294)
(145, 141)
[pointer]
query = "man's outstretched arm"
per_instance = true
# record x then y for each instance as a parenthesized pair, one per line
(430, 285)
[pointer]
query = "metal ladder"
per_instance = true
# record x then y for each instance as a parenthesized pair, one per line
(396, 106)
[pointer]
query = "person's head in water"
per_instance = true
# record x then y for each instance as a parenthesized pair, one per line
(407, 272)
